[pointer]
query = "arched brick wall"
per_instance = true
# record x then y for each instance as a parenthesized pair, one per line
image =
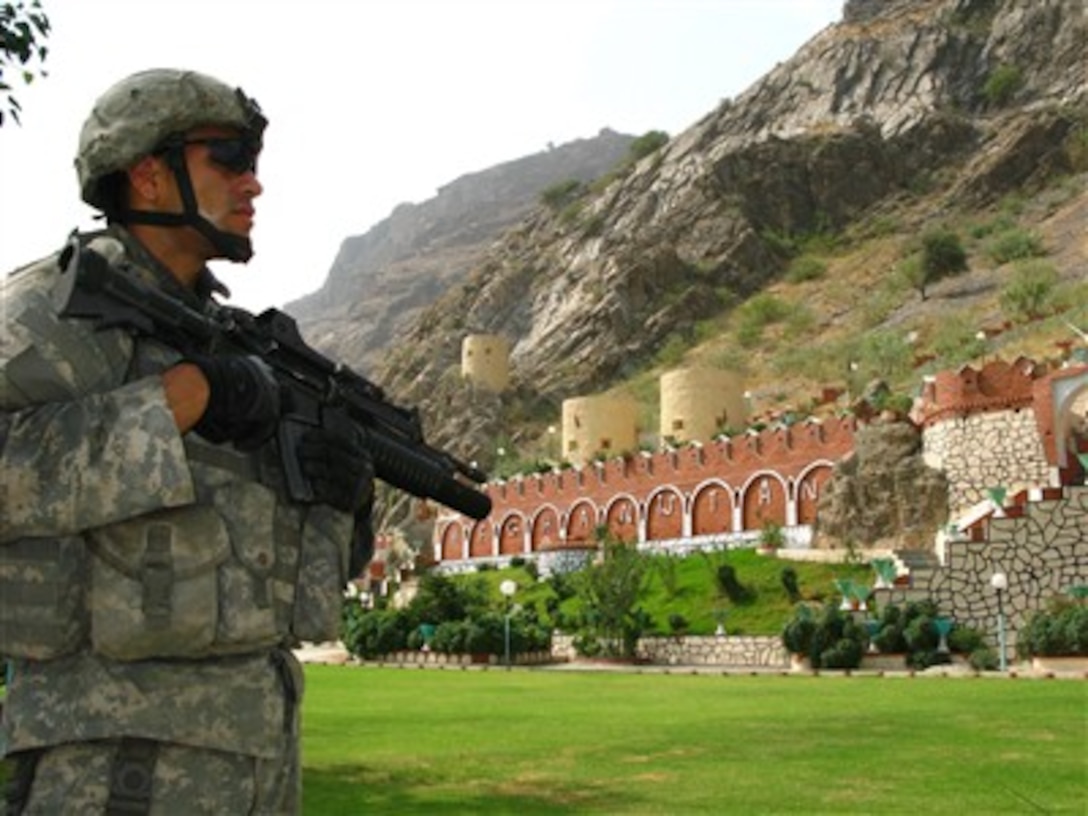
(764, 500)
(712, 510)
(452, 542)
(665, 515)
(809, 488)
(545, 531)
(581, 523)
(512, 535)
(622, 519)
(483, 540)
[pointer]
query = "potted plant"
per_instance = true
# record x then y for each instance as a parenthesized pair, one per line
(771, 538)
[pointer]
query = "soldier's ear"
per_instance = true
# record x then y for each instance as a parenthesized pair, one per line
(147, 181)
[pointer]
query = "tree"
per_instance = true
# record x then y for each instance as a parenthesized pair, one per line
(941, 255)
(24, 27)
(610, 590)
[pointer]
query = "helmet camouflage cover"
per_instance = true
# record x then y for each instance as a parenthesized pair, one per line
(134, 117)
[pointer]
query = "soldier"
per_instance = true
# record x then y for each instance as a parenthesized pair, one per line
(153, 574)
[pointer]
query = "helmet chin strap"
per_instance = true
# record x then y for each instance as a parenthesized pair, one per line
(231, 246)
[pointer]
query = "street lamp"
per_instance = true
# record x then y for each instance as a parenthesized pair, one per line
(507, 588)
(1000, 582)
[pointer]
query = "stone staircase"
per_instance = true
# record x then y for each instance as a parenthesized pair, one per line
(915, 569)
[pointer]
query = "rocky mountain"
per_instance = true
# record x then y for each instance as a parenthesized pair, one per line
(380, 280)
(905, 116)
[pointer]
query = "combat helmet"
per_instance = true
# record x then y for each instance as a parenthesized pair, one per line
(147, 113)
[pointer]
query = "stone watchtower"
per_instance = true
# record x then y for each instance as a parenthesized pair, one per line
(600, 424)
(485, 361)
(697, 403)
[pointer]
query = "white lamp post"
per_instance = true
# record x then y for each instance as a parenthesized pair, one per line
(1000, 582)
(507, 588)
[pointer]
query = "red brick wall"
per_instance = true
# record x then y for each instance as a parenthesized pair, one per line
(998, 385)
(650, 495)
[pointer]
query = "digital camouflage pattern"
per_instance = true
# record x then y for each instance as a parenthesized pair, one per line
(185, 782)
(166, 578)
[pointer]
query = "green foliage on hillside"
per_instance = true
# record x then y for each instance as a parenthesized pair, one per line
(689, 586)
(607, 606)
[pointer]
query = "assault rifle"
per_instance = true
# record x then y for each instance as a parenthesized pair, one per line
(318, 392)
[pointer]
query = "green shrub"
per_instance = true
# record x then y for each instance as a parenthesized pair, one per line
(1013, 245)
(678, 624)
(609, 590)
(913, 630)
(765, 308)
(561, 194)
(1059, 630)
(1030, 291)
(942, 254)
(831, 640)
(371, 633)
(450, 637)
(789, 583)
(983, 659)
(646, 144)
(957, 342)
(805, 268)
(731, 587)
(966, 640)
(1002, 84)
(798, 632)
(756, 313)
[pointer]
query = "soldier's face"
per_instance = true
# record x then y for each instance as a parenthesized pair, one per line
(223, 173)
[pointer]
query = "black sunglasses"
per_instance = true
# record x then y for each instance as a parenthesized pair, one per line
(234, 153)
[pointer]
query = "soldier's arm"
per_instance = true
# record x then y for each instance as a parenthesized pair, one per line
(79, 449)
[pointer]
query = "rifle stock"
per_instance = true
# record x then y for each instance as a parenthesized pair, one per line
(318, 392)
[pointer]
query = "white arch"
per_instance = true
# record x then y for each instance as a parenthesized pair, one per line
(685, 510)
(640, 513)
(560, 533)
(811, 466)
(1064, 393)
(520, 517)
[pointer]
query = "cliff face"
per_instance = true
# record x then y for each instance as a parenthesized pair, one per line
(906, 112)
(379, 280)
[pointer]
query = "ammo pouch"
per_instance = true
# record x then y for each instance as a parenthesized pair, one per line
(322, 575)
(153, 584)
(170, 584)
(43, 597)
(235, 575)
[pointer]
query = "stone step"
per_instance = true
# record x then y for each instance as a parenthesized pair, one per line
(899, 596)
(917, 560)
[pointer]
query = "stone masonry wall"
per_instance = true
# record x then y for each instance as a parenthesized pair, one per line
(720, 650)
(1044, 553)
(983, 451)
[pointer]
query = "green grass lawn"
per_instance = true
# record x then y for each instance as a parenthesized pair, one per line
(400, 741)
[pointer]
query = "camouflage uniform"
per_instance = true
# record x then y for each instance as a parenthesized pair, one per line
(151, 583)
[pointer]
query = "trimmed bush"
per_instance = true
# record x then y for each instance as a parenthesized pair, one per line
(831, 640)
(1060, 630)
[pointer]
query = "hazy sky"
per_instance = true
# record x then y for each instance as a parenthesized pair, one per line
(373, 103)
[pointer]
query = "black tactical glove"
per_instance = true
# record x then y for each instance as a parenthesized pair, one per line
(244, 404)
(338, 467)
